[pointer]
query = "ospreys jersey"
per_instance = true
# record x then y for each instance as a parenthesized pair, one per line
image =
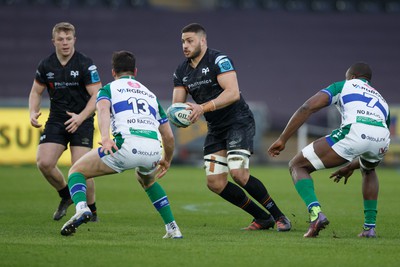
(202, 84)
(359, 102)
(135, 110)
(66, 85)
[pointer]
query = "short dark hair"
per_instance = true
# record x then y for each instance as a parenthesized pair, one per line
(194, 27)
(361, 70)
(123, 61)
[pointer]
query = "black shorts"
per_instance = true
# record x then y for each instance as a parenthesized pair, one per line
(236, 137)
(54, 132)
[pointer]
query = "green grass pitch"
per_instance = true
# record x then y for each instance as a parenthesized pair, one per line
(130, 230)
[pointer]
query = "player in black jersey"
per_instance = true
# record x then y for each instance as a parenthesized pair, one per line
(210, 78)
(72, 81)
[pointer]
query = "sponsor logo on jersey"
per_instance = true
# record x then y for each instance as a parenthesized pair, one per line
(135, 91)
(370, 90)
(65, 84)
(199, 83)
(74, 73)
(49, 75)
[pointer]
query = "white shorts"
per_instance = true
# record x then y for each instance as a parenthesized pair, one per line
(135, 151)
(360, 140)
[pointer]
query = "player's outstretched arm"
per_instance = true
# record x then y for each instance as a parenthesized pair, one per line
(312, 105)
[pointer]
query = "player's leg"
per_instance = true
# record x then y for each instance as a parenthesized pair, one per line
(239, 145)
(76, 153)
(315, 156)
(368, 162)
(238, 165)
(370, 189)
(89, 165)
(216, 168)
(81, 142)
(159, 198)
(47, 157)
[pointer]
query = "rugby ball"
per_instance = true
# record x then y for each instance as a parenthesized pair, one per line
(178, 115)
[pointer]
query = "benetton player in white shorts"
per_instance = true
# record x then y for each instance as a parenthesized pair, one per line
(364, 130)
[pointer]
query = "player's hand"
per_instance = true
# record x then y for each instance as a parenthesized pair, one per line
(276, 148)
(197, 112)
(345, 172)
(108, 147)
(162, 168)
(74, 122)
(34, 119)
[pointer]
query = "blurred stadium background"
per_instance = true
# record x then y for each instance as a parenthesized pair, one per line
(284, 52)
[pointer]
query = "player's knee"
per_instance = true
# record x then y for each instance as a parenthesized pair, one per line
(213, 187)
(217, 183)
(145, 178)
(294, 164)
(45, 166)
(367, 166)
(238, 164)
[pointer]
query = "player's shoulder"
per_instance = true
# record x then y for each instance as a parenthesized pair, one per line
(216, 56)
(82, 57)
(83, 61)
(337, 84)
(221, 61)
(49, 59)
(183, 64)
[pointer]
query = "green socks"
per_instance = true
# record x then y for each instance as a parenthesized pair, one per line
(370, 211)
(77, 187)
(160, 201)
(305, 188)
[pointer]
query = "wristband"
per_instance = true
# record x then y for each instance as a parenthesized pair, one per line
(208, 106)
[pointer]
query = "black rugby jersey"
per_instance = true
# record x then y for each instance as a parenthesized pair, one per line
(202, 84)
(66, 85)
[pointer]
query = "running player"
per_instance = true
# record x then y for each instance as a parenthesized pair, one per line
(209, 76)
